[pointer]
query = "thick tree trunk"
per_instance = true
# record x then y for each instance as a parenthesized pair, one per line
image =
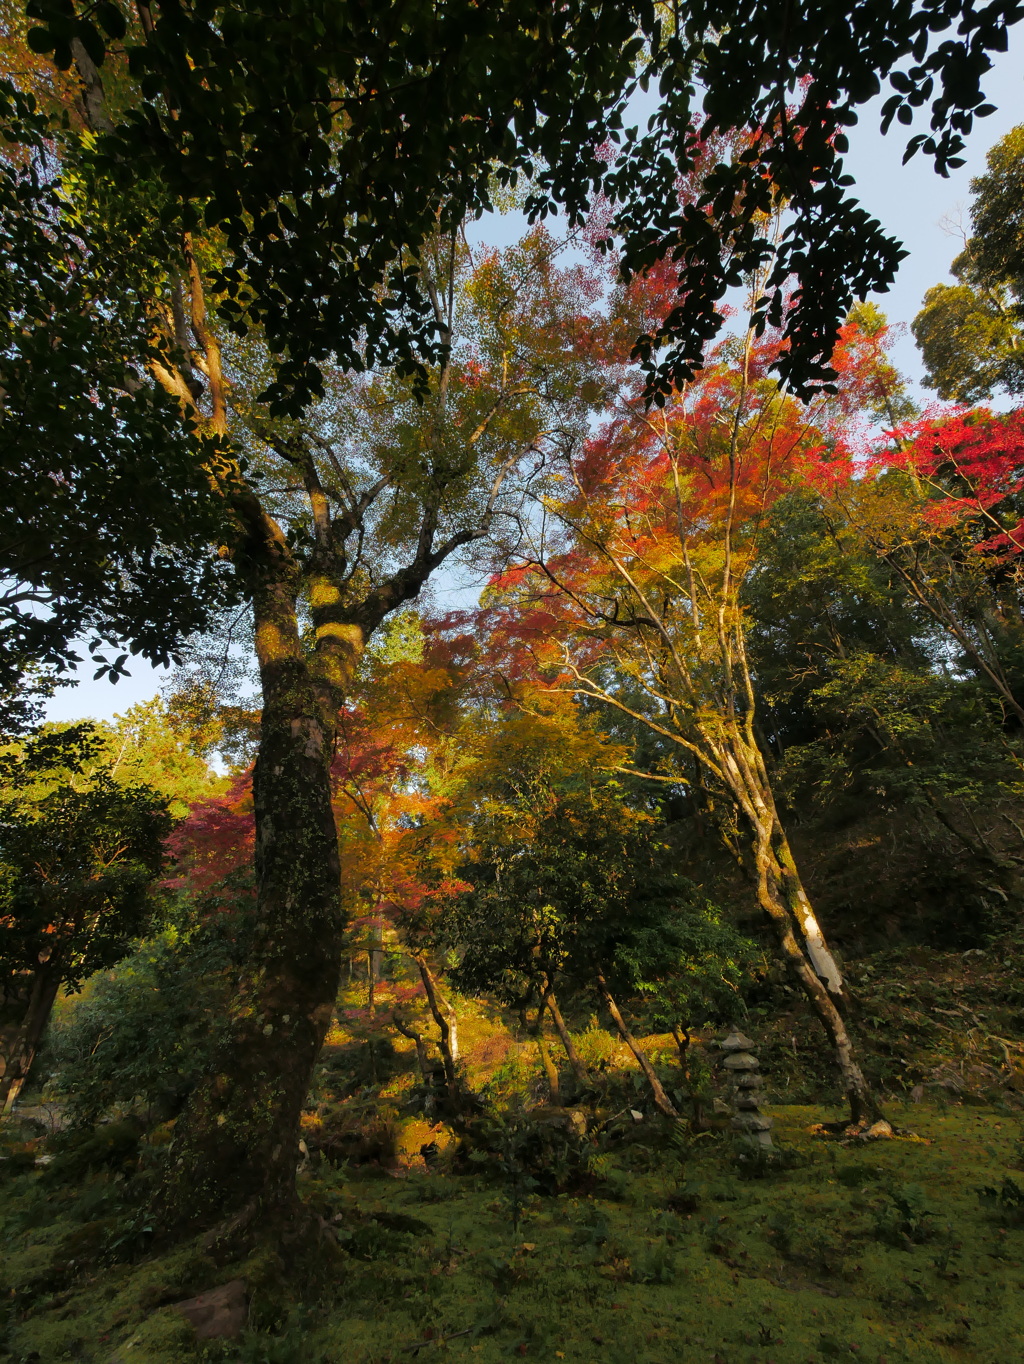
(20, 1042)
(662, 1102)
(235, 1147)
(579, 1070)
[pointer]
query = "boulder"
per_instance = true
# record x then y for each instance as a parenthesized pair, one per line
(572, 1120)
(220, 1314)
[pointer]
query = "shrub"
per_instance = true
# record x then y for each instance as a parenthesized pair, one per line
(142, 1033)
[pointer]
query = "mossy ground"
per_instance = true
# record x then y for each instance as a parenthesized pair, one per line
(878, 1252)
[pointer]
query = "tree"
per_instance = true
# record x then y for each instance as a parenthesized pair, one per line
(108, 505)
(540, 95)
(940, 502)
(347, 514)
(791, 81)
(76, 866)
(320, 210)
(970, 333)
(147, 747)
(630, 593)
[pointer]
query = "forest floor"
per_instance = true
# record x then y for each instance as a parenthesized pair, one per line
(639, 1242)
(909, 1249)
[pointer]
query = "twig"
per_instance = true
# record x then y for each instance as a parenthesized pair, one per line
(436, 1340)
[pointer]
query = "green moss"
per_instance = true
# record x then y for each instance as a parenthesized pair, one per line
(836, 1257)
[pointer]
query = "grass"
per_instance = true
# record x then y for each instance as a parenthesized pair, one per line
(908, 1250)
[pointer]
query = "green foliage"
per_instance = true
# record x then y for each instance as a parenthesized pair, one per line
(151, 746)
(970, 340)
(997, 216)
(569, 883)
(1007, 1200)
(141, 1035)
(75, 865)
(792, 1262)
(807, 1241)
(110, 513)
(905, 1217)
(971, 334)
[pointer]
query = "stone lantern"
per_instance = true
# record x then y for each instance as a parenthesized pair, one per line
(743, 1074)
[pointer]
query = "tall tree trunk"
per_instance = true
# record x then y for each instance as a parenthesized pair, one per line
(662, 1102)
(775, 876)
(448, 1055)
(781, 894)
(235, 1147)
(579, 1070)
(20, 1042)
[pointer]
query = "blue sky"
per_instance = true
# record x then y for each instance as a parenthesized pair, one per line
(911, 201)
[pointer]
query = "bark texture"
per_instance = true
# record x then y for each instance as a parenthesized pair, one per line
(544, 1053)
(19, 1040)
(235, 1147)
(443, 1018)
(781, 894)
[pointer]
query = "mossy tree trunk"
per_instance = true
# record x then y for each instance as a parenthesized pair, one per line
(579, 1070)
(235, 1147)
(443, 1017)
(234, 1154)
(783, 898)
(544, 1053)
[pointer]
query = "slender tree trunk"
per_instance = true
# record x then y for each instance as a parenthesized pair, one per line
(548, 1066)
(448, 1055)
(781, 894)
(784, 900)
(19, 1043)
(579, 1070)
(682, 1039)
(422, 1059)
(662, 1102)
(453, 1032)
(235, 1147)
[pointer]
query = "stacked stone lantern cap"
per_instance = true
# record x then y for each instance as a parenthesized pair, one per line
(745, 1081)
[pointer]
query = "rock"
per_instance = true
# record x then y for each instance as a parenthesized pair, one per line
(878, 1129)
(572, 1120)
(219, 1314)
